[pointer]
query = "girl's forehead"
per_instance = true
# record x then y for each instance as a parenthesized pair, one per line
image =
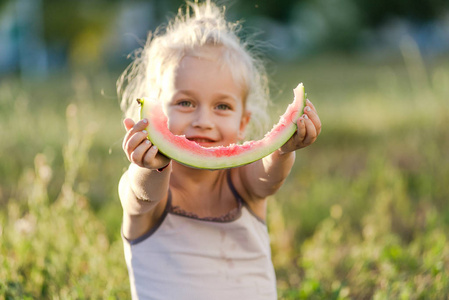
(207, 77)
(218, 57)
(223, 57)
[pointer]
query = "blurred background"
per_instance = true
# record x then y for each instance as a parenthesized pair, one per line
(364, 213)
(40, 37)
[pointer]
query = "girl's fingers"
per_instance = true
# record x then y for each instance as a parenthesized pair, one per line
(311, 130)
(310, 104)
(128, 123)
(139, 126)
(137, 156)
(150, 156)
(132, 129)
(301, 128)
(308, 129)
(136, 145)
(135, 141)
(313, 116)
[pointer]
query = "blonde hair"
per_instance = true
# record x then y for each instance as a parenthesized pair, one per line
(151, 74)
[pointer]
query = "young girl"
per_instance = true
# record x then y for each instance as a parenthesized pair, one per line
(192, 233)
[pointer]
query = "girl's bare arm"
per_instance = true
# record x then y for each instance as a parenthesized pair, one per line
(264, 177)
(141, 192)
(142, 187)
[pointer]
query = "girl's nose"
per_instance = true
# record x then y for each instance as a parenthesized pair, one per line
(203, 119)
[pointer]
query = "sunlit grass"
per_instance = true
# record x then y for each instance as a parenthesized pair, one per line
(366, 206)
(53, 246)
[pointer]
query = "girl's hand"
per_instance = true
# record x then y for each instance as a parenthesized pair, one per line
(309, 127)
(138, 147)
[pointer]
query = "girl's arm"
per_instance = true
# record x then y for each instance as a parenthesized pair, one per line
(143, 186)
(140, 189)
(264, 177)
(143, 194)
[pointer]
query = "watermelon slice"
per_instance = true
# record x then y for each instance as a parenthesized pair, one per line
(194, 155)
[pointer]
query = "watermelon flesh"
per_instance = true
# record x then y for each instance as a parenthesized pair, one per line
(192, 154)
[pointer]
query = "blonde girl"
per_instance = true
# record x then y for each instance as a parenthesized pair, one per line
(191, 233)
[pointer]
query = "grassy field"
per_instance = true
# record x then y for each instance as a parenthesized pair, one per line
(364, 214)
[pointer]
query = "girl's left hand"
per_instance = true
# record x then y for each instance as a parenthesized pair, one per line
(309, 127)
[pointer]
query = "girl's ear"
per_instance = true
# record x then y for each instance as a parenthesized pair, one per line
(243, 122)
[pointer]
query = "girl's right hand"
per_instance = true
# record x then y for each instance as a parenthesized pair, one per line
(138, 147)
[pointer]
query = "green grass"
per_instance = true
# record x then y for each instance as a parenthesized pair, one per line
(363, 215)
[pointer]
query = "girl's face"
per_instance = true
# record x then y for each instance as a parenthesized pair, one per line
(207, 105)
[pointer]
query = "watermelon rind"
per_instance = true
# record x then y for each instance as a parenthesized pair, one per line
(194, 155)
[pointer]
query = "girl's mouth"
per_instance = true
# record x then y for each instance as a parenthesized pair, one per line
(202, 141)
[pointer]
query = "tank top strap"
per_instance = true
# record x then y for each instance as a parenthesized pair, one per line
(168, 205)
(232, 187)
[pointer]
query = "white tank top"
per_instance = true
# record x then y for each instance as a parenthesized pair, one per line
(185, 257)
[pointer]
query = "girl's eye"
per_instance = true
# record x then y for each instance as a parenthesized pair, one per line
(223, 107)
(185, 103)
